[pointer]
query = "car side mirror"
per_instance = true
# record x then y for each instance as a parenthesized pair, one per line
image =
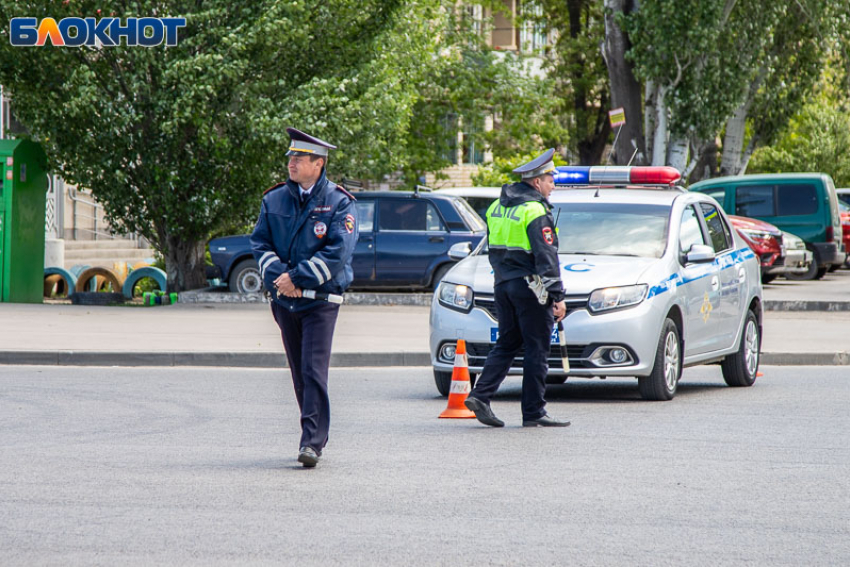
(700, 253)
(460, 251)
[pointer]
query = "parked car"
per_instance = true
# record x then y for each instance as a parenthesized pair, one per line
(656, 280)
(844, 212)
(404, 242)
(804, 204)
(843, 194)
(797, 258)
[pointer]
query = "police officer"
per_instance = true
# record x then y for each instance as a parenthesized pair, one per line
(523, 242)
(303, 242)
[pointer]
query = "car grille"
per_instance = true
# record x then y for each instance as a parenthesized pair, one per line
(477, 354)
(488, 304)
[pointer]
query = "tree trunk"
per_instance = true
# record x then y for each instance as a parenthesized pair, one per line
(649, 115)
(184, 264)
(677, 153)
(706, 166)
(625, 89)
(733, 141)
(748, 153)
(659, 140)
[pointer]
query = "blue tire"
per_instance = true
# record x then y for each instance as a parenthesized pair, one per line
(147, 272)
(70, 279)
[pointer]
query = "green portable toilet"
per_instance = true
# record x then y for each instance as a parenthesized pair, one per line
(23, 191)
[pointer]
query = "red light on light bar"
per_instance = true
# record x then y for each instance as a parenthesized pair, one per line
(662, 175)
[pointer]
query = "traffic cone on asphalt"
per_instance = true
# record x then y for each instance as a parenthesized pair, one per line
(460, 385)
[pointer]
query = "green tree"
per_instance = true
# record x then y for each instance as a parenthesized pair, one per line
(815, 140)
(177, 143)
(466, 84)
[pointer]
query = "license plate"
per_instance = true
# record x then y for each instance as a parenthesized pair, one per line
(494, 335)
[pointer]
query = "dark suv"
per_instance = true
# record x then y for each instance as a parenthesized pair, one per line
(404, 242)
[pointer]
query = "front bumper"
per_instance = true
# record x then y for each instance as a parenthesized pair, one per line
(796, 262)
(636, 329)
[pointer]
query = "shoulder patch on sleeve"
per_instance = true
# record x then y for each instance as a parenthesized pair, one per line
(273, 187)
(347, 194)
(547, 235)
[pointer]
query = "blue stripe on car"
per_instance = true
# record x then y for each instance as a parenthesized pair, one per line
(727, 261)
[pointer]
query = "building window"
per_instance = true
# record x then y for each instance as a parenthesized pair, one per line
(532, 34)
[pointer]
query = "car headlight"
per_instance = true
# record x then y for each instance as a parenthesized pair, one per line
(758, 234)
(616, 297)
(455, 296)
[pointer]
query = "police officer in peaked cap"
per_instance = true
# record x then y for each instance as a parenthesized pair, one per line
(303, 241)
(523, 244)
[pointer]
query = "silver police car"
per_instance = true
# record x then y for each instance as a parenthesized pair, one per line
(656, 280)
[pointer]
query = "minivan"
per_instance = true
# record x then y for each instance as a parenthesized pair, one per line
(804, 204)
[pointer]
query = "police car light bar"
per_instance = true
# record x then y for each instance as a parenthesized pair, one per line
(594, 175)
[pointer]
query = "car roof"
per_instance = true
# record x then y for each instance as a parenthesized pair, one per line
(471, 191)
(401, 194)
(756, 178)
(634, 195)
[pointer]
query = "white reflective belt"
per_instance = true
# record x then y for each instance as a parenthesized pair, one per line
(460, 387)
(321, 263)
(316, 272)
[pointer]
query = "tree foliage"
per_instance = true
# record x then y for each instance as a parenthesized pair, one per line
(816, 140)
(178, 143)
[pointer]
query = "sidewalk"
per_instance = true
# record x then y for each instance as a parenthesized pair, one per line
(245, 335)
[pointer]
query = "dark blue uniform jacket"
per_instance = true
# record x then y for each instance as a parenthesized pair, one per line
(313, 241)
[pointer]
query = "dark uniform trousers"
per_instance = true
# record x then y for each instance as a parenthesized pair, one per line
(307, 337)
(522, 321)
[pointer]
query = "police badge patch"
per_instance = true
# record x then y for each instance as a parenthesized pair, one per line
(547, 235)
(320, 229)
(349, 223)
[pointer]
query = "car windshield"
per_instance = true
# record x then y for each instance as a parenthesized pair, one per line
(612, 229)
(473, 221)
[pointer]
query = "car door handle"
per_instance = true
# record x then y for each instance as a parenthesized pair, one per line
(715, 283)
(437, 239)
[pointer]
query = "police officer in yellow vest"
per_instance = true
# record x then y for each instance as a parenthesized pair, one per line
(523, 242)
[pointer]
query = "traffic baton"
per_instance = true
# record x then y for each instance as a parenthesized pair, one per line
(562, 339)
(320, 295)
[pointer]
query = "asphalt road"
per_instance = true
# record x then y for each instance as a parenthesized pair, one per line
(141, 466)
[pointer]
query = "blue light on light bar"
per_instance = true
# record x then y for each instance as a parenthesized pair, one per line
(572, 175)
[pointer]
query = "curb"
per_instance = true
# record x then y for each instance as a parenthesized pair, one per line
(209, 295)
(774, 305)
(278, 359)
(229, 359)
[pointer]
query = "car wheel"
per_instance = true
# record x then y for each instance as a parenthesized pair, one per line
(741, 368)
(439, 274)
(811, 274)
(661, 384)
(246, 278)
(767, 278)
(443, 381)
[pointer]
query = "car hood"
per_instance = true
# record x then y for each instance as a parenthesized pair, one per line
(747, 223)
(580, 274)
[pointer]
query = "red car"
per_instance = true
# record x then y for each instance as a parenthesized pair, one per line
(766, 241)
(844, 211)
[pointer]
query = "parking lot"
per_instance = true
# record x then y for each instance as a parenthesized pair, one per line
(197, 467)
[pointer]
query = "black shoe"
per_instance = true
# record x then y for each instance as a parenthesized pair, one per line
(483, 412)
(308, 457)
(544, 421)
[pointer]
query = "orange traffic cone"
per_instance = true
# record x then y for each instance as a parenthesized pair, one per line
(460, 385)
